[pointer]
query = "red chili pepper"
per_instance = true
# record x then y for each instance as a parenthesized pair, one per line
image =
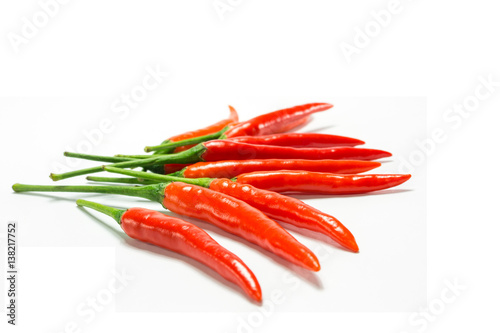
(274, 205)
(185, 238)
(275, 122)
(219, 150)
(318, 182)
(224, 211)
(233, 168)
(300, 140)
(270, 123)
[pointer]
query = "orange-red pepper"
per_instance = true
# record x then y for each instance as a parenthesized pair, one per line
(275, 122)
(185, 238)
(320, 182)
(288, 209)
(233, 119)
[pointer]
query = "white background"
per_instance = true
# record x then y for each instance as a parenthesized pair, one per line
(261, 56)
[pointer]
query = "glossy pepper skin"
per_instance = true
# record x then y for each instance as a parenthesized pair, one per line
(185, 238)
(239, 218)
(274, 205)
(219, 150)
(287, 209)
(319, 182)
(300, 140)
(224, 211)
(233, 119)
(275, 122)
(293, 125)
(233, 168)
(285, 128)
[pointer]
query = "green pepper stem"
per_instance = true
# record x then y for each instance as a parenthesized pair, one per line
(110, 159)
(122, 180)
(150, 192)
(132, 157)
(165, 151)
(204, 182)
(179, 173)
(110, 211)
(186, 142)
(188, 156)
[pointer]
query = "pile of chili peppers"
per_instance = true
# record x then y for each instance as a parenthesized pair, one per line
(232, 174)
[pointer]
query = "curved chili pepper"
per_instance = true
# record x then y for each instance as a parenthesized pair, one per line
(274, 205)
(300, 140)
(185, 238)
(228, 213)
(319, 182)
(287, 209)
(233, 168)
(274, 122)
(233, 118)
(218, 150)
